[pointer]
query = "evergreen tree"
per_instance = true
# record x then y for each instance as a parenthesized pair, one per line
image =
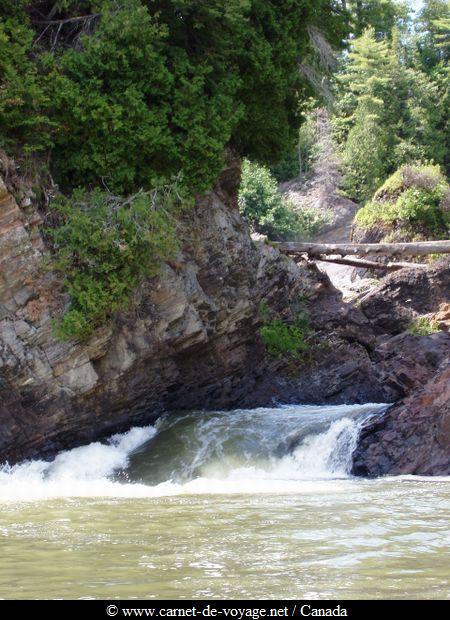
(381, 15)
(363, 128)
(433, 26)
(134, 92)
(390, 110)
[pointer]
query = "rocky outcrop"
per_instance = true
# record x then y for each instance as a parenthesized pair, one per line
(365, 351)
(189, 340)
(406, 295)
(413, 437)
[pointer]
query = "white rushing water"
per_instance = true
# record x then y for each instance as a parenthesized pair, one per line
(287, 449)
(241, 504)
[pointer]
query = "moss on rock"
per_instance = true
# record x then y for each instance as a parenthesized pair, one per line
(413, 204)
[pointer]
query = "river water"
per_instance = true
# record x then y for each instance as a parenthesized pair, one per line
(243, 504)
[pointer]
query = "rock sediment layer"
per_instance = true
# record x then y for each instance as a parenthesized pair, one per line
(189, 340)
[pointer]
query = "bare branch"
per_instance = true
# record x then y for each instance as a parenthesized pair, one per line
(68, 20)
(418, 248)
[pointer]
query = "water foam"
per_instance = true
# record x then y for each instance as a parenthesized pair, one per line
(79, 472)
(295, 449)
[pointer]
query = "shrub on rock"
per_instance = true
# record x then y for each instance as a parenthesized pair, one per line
(412, 205)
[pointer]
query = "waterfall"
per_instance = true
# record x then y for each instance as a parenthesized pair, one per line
(287, 449)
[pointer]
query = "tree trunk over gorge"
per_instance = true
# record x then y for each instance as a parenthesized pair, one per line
(390, 250)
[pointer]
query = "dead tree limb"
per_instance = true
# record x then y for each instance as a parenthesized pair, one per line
(370, 264)
(390, 250)
(67, 20)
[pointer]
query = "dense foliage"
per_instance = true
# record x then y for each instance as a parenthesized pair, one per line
(130, 93)
(23, 100)
(393, 99)
(414, 201)
(269, 212)
(381, 15)
(104, 245)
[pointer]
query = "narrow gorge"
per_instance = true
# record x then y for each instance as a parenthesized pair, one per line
(191, 340)
(224, 306)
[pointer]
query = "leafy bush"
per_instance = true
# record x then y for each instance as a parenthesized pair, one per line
(413, 199)
(22, 98)
(104, 245)
(269, 212)
(423, 327)
(284, 340)
(141, 90)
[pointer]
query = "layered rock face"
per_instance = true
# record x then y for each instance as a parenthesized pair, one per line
(413, 437)
(368, 353)
(189, 340)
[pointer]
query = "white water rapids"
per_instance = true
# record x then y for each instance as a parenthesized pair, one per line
(281, 450)
(241, 504)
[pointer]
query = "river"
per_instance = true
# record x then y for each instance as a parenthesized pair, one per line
(242, 504)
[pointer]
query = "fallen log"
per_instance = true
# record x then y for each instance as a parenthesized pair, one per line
(390, 250)
(371, 264)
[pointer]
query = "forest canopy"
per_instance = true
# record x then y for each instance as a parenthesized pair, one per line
(128, 93)
(130, 107)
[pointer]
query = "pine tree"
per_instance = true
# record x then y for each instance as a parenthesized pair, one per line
(433, 26)
(381, 15)
(392, 110)
(366, 80)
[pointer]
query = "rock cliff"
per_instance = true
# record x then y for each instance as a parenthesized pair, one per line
(413, 437)
(190, 340)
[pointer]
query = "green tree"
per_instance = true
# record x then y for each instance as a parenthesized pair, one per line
(433, 26)
(363, 128)
(139, 90)
(268, 211)
(430, 59)
(366, 149)
(426, 136)
(22, 97)
(381, 15)
(389, 111)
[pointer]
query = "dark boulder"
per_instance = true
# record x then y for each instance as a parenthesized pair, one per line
(413, 437)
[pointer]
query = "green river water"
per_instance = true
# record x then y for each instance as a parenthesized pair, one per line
(245, 504)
